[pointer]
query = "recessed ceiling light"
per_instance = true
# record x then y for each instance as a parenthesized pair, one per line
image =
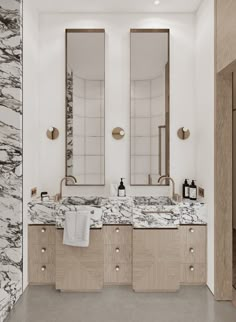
(157, 2)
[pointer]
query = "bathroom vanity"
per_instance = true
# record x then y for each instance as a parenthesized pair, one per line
(151, 244)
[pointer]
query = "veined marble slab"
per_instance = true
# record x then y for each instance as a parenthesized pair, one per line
(141, 212)
(42, 212)
(10, 154)
(95, 215)
(117, 211)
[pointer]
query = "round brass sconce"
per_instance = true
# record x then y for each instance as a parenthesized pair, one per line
(52, 133)
(118, 133)
(183, 133)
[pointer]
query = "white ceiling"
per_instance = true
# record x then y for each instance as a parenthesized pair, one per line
(117, 5)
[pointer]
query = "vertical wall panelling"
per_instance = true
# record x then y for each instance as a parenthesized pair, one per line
(10, 154)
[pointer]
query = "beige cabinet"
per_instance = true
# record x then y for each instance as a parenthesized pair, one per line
(80, 268)
(117, 255)
(156, 260)
(193, 254)
(41, 248)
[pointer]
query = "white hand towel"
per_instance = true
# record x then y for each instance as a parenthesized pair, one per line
(77, 228)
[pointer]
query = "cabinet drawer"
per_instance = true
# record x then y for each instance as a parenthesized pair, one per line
(194, 273)
(117, 253)
(42, 235)
(42, 273)
(39, 254)
(117, 235)
(118, 273)
(193, 244)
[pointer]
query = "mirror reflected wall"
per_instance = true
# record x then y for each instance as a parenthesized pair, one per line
(149, 105)
(85, 107)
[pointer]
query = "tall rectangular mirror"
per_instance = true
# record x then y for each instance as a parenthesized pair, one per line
(85, 107)
(149, 51)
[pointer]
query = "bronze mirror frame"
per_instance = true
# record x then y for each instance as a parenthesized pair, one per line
(167, 109)
(72, 30)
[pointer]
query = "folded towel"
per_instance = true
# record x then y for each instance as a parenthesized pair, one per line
(77, 228)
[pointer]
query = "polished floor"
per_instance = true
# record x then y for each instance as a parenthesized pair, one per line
(121, 304)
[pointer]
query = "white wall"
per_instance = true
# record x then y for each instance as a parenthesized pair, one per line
(30, 118)
(117, 97)
(205, 118)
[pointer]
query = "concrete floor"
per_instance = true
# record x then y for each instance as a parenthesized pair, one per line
(195, 304)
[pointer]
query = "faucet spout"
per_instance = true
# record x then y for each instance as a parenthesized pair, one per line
(67, 178)
(162, 178)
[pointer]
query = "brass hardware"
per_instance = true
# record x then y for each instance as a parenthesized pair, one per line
(175, 196)
(191, 250)
(191, 268)
(52, 133)
(117, 230)
(191, 230)
(43, 230)
(43, 268)
(69, 178)
(117, 268)
(118, 133)
(183, 133)
(43, 250)
(117, 250)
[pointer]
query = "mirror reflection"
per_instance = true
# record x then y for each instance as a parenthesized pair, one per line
(85, 108)
(149, 106)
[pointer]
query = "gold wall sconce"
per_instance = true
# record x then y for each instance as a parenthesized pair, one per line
(118, 133)
(52, 133)
(183, 133)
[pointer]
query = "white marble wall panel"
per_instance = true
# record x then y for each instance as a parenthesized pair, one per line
(10, 154)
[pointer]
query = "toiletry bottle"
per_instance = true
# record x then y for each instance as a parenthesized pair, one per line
(121, 189)
(186, 189)
(193, 191)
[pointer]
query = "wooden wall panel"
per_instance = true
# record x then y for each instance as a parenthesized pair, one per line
(223, 187)
(225, 32)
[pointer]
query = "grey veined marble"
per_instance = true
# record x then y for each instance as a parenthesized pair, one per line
(10, 154)
(141, 212)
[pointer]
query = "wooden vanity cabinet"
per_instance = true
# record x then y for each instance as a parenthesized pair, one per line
(80, 268)
(117, 255)
(41, 253)
(193, 254)
(156, 260)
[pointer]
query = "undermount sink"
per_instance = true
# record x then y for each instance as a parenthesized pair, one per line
(154, 201)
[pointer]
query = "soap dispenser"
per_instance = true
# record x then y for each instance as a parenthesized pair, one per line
(121, 189)
(186, 189)
(193, 191)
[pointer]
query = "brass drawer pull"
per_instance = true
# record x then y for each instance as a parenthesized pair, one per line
(43, 268)
(117, 249)
(191, 250)
(117, 268)
(117, 229)
(191, 230)
(43, 250)
(191, 268)
(43, 230)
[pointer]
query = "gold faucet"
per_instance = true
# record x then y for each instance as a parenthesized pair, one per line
(175, 196)
(69, 178)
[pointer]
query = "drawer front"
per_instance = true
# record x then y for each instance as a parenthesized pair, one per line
(194, 273)
(118, 273)
(42, 273)
(42, 254)
(42, 235)
(118, 235)
(193, 244)
(117, 253)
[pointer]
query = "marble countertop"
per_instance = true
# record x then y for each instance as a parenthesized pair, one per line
(141, 212)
